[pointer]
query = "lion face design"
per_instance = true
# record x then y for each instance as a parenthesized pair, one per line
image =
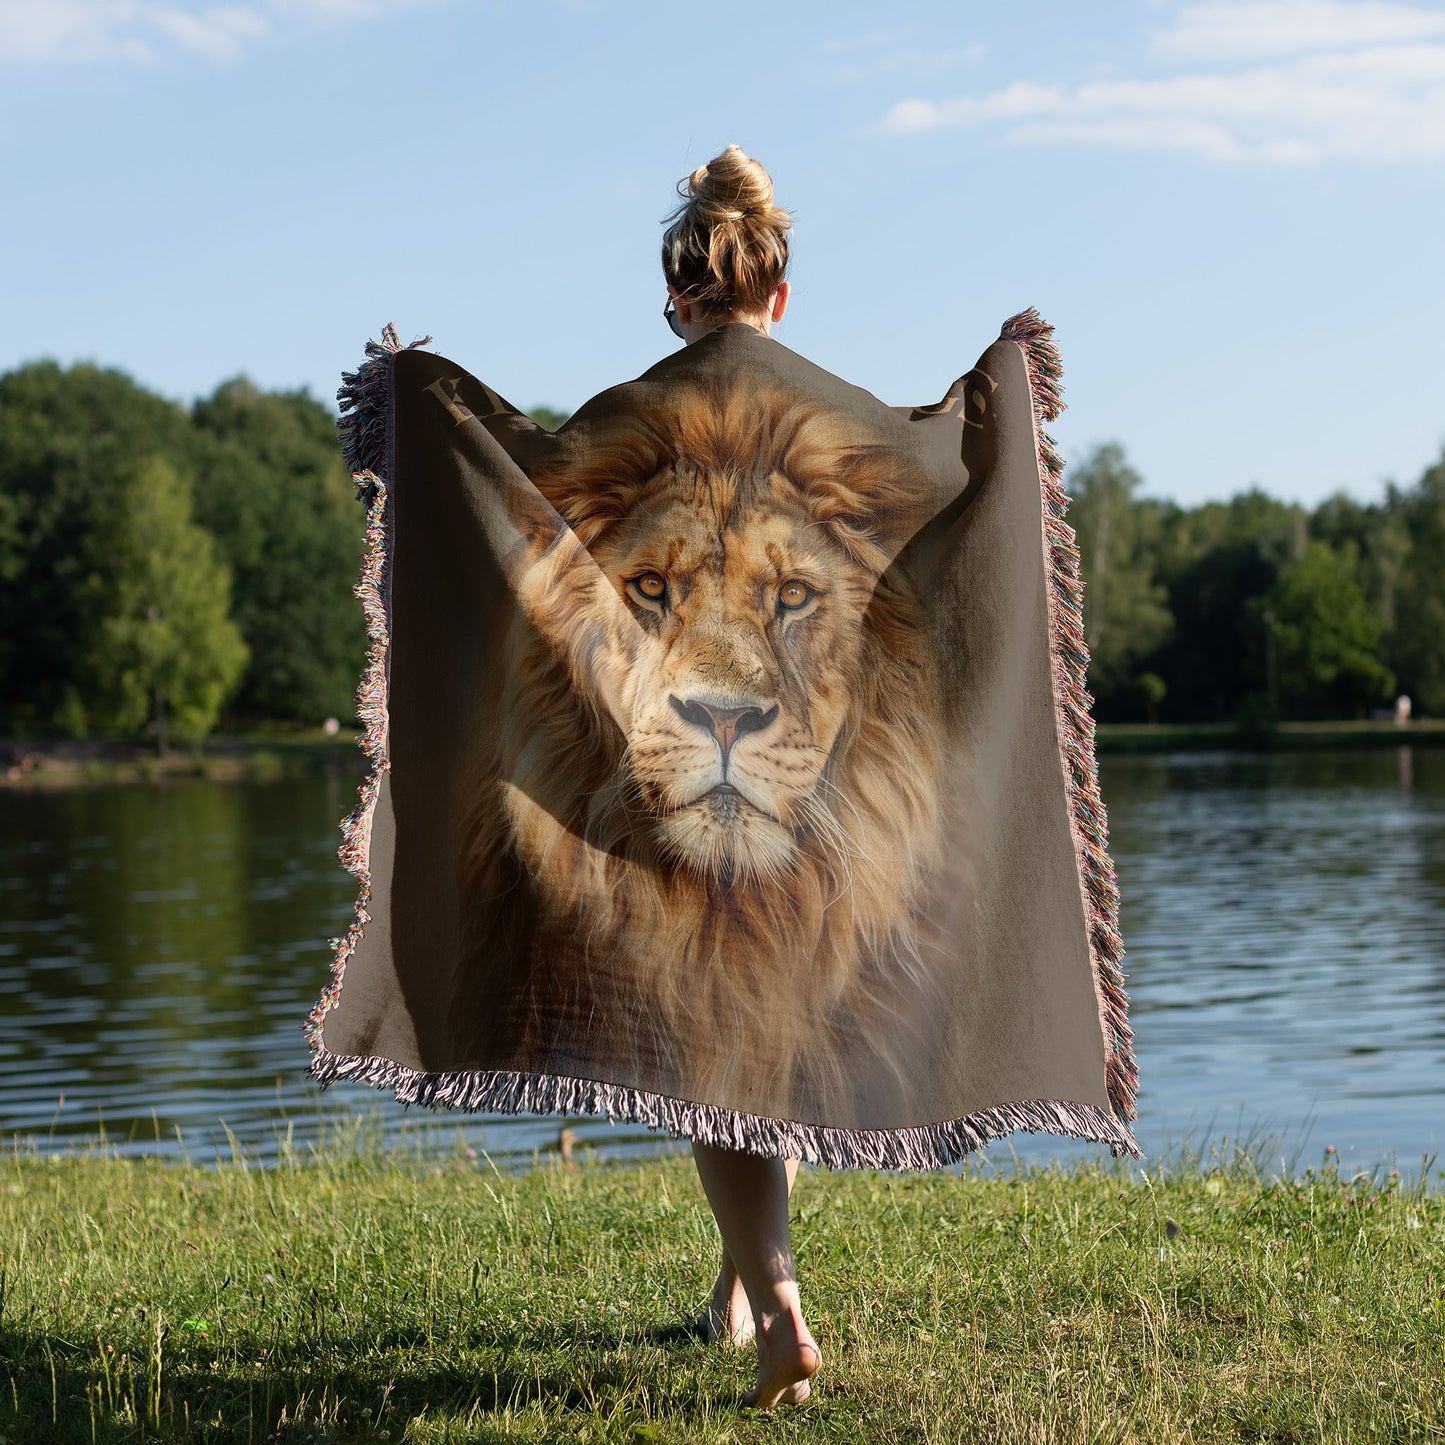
(716, 754)
(742, 634)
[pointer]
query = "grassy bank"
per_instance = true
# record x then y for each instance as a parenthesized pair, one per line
(360, 1298)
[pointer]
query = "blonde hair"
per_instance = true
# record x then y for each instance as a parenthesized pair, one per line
(726, 248)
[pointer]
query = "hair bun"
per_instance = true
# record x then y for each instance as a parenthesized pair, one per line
(731, 186)
(727, 242)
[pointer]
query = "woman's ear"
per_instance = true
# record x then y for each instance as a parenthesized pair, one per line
(780, 300)
(680, 304)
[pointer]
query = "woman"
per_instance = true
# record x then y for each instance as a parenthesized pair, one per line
(769, 647)
(724, 256)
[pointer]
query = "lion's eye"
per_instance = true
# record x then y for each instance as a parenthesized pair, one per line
(794, 594)
(651, 585)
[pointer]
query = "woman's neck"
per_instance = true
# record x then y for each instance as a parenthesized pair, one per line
(696, 330)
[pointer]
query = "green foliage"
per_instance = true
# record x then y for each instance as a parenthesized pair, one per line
(268, 487)
(1153, 689)
(272, 487)
(67, 441)
(1380, 535)
(164, 645)
(1127, 613)
(1217, 557)
(1327, 640)
(548, 416)
(1417, 650)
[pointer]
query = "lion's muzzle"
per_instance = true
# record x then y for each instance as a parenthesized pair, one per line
(725, 725)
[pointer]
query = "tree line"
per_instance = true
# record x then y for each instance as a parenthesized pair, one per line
(168, 569)
(1256, 610)
(172, 567)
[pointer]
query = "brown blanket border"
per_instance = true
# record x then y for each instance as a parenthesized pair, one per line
(1074, 712)
(366, 441)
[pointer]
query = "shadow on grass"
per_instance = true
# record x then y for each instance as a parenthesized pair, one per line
(359, 1387)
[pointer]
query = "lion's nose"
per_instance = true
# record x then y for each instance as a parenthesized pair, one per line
(726, 724)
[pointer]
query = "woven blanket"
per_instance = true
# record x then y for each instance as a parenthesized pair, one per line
(732, 761)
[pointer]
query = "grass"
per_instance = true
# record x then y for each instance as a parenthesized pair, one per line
(361, 1296)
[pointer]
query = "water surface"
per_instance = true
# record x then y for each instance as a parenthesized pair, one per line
(1283, 915)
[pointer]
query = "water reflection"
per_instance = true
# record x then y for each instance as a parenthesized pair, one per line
(1284, 917)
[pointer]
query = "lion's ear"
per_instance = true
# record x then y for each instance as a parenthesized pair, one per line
(871, 497)
(519, 524)
(594, 475)
(588, 501)
(532, 514)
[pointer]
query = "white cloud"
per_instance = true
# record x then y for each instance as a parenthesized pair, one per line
(1361, 81)
(1267, 29)
(144, 31)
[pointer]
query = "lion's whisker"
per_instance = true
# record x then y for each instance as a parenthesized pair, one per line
(828, 833)
(826, 784)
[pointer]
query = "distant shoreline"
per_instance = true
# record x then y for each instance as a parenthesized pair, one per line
(34, 764)
(1287, 737)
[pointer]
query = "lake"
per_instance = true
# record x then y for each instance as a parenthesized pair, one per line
(1283, 916)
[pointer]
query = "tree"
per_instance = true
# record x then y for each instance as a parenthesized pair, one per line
(1381, 539)
(1214, 559)
(1327, 639)
(165, 651)
(65, 437)
(1153, 689)
(272, 487)
(1417, 649)
(1126, 611)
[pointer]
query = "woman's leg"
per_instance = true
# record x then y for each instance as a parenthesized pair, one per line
(728, 1318)
(749, 1198)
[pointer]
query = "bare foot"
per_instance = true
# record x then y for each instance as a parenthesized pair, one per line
(788, 1358)
(728, 1318)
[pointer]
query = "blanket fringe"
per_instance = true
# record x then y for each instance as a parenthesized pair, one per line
(925, 1146)
(365, 403)
(365, 434)
(1074, 708)
(355, 849)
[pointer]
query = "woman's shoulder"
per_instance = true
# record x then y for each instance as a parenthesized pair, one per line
(738, 355)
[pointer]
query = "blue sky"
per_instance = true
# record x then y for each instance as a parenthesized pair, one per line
(1232, 212)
